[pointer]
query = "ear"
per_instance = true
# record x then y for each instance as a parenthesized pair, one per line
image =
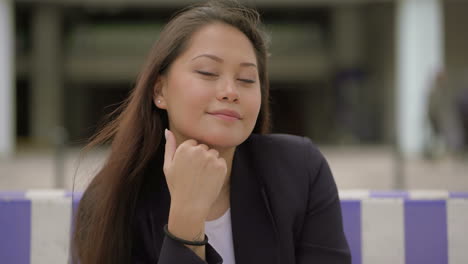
(159, 91)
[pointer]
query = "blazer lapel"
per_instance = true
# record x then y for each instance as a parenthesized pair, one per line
(253, 227)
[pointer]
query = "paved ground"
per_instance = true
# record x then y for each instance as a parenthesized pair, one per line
(353, 167)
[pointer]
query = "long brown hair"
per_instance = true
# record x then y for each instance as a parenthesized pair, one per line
(103, 223)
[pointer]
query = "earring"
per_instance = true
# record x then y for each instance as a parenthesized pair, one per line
(159, 101)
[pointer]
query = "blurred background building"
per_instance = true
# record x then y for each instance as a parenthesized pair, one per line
(356, 76)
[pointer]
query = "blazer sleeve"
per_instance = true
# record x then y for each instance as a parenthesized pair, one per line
(171, 252)
(322, 240)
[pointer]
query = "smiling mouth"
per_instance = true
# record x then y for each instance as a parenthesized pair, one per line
(225, 117)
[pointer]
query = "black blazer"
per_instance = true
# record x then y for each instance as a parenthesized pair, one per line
(284, 209)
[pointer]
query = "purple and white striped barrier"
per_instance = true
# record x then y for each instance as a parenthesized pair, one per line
(34, 227)
(396, 227)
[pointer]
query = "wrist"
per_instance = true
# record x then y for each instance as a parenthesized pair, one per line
(189, 209)
(186, 224)
(186, 242)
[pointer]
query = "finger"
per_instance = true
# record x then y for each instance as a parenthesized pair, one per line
(222, 161)
(214, 152)
(203, 146)
(170, 147)
(190, 142)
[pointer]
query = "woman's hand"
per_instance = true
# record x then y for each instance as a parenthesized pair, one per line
(194, 173)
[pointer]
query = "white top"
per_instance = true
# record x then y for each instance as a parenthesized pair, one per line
(219, 232)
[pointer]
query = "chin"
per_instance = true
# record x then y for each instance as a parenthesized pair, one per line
(223, 141)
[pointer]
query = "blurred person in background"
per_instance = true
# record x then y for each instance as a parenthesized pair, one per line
(193, 175)
(445, 116)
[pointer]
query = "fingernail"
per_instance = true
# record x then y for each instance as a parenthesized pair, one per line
(165, 133)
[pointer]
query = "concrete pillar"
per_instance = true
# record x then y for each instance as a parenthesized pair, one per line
(7, 87)
(420, 45)
(46, 75)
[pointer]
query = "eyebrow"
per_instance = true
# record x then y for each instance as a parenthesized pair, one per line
(218, 59)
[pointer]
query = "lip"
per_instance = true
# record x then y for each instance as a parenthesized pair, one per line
(226, 114)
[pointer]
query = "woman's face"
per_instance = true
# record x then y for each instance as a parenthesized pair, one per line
(212, 90)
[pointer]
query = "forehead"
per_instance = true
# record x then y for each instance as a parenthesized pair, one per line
(222, 40)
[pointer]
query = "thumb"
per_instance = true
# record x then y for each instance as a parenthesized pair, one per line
(170, 147)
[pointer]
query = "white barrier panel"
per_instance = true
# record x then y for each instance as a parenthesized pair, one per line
(383, 237)
(51, 215)
(457, 224)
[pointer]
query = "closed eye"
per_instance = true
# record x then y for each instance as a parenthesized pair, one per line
(210, 74)
(206, 73)
(246, 80)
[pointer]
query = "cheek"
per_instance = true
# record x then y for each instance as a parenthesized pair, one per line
(255, 101)
(200, 91)
(252, 104)
(188, 96)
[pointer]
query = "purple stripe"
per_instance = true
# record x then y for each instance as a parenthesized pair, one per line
(426, 232)
(74, 194)
(75, 202)
(15, 230)
(351, 210)
(459, 195)
(389, 194)
(76, 197)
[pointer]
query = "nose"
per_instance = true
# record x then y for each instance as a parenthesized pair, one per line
(228, 92)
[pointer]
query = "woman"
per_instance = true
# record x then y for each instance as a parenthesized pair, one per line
(214, 173)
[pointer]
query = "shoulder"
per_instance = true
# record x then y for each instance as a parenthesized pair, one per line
(280, 155)
(290, 167)
(278, 140)
(285, 147)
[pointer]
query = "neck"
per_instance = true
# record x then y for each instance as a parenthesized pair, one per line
(228, 156)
